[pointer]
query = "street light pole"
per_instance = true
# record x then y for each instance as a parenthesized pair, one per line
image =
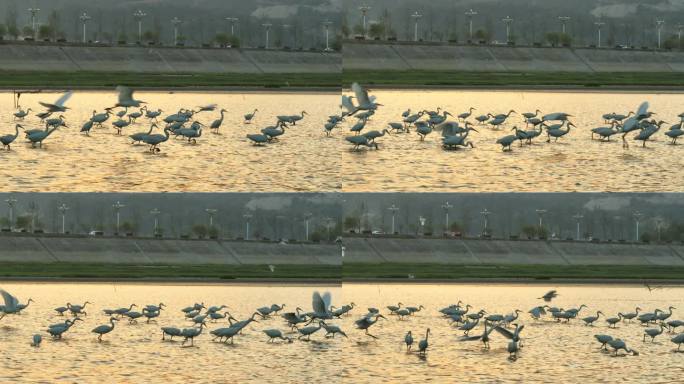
(658, 226)
(63, 208)
(563, 20)
(578, 217)
(328, 224)
(422, 221)
(247, 217)
(679, 35)
(485, 213)
(599, 24)
(268, 29)
(155, 212)
(84, 19)
(117, 207)
(364, 11)
(416, 16)
(470, 13)
(176, 22)
(139, 15)
(327, 25)
(637, 217)
(508, 20)
(211, 212)
(11, 201)
(541, 213)
(394, 209)
(33, 12)
(232, 21)
(307, 217)
(659, 27)
(446, 206)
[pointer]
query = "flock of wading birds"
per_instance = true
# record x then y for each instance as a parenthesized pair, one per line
(301, 323)
(183, 124)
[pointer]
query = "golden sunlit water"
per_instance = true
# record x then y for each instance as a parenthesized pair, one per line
(551, 352)
(574, 163)
(136, 353)
(302, 160)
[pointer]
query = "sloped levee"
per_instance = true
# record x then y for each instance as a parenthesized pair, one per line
(455, 251)
(37, 57)
(51, 249)
(441, 57)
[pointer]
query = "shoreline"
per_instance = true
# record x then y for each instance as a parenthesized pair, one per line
(670, 89)
(333, 90)
(343, 281)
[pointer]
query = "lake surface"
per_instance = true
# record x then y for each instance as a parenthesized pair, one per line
(552, 352)
(574, 163)
(136, 353)
(303, 160)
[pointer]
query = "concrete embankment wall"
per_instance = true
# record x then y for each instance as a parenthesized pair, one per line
(454, 251)
(46, 249)
(37, 57)
(402, 56)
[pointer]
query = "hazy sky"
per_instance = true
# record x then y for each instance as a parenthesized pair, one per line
(203, 19)
(627, 22)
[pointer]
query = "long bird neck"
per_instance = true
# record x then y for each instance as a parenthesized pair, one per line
(50, 131)
(16, 131)
(427, 334)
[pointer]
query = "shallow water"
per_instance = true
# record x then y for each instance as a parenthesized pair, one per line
(574, 163)
(303, 160)
(551, 353)
(135, 353)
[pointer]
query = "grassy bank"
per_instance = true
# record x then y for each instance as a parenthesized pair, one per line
(130, 271)
(540, 272)
(30, 79)
(417, 78)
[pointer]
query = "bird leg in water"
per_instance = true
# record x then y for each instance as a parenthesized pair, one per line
(368, 334)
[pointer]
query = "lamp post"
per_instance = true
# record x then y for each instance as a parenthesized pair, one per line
(117, 208)
(364, 12)
(286, 28)
(155, 213)
(247, 217)
(84, 19)
(563, 20)
(176, 22)
(659, 27)
(540, 214)
(485, 214)
(11, 202)
(598, 25)
(637, 217)
(394, 209)
(268, 30)
(326, 25)
(508, 20)
(232, 21)
(679, 35)
(33, 12)
(139, 15)
(659, 224)
(446, 206)
(307, 217)
(416, 17)
(328, 225)
(62, 209)
(578, 217)
(422, 221)
(211, 212)
(470, 13)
